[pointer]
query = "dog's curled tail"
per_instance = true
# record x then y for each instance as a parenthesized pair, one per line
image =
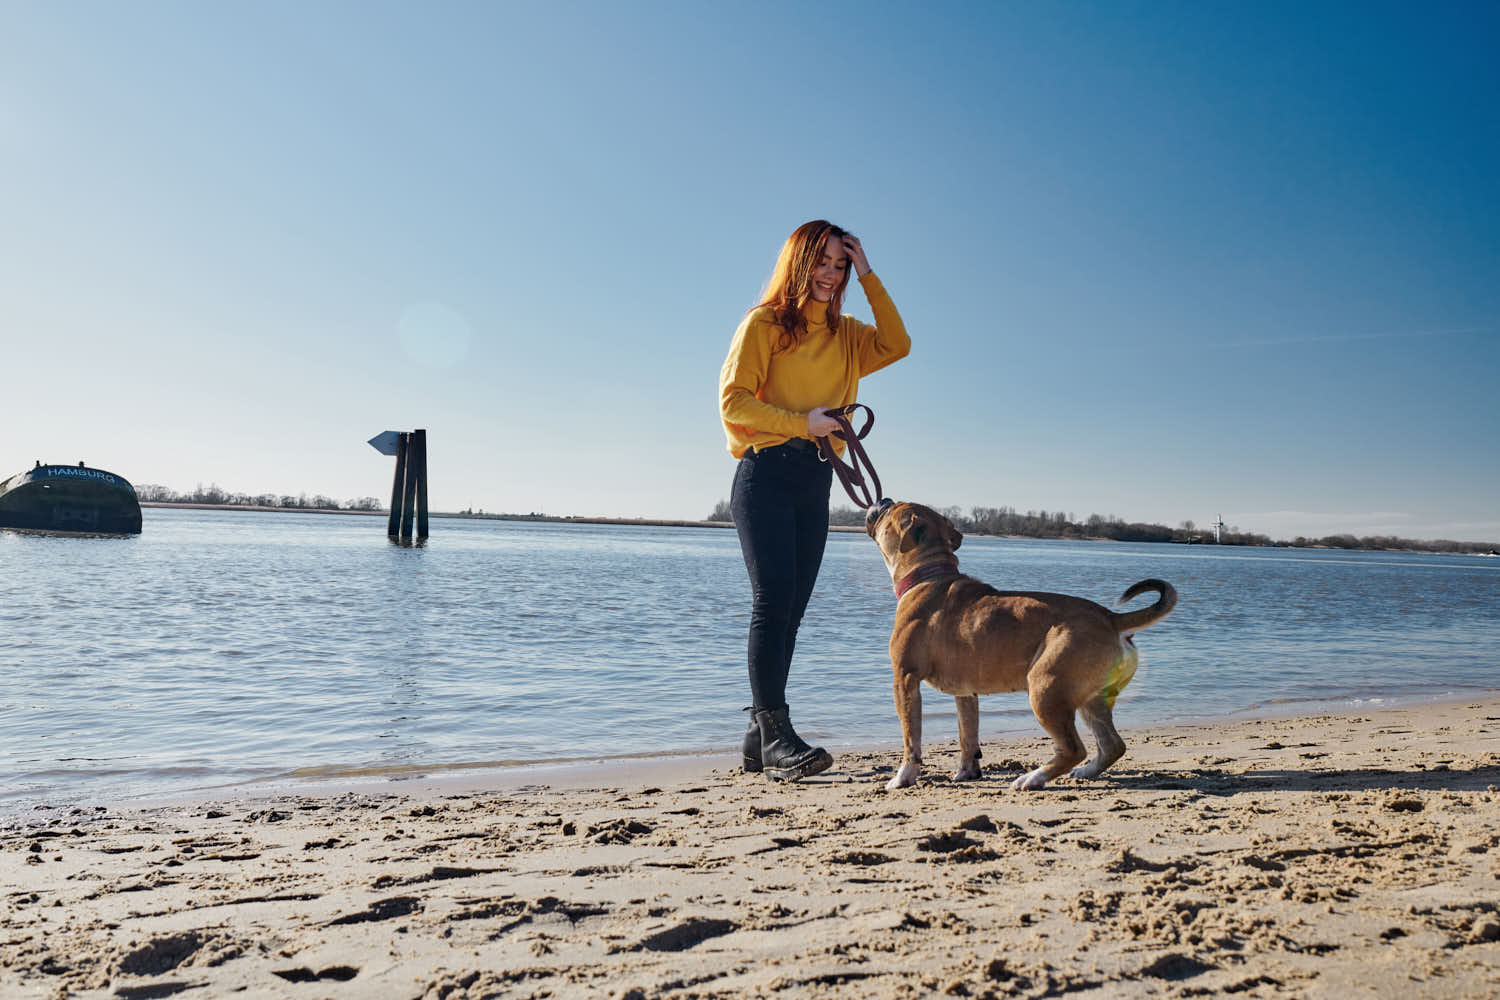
(1131, 622)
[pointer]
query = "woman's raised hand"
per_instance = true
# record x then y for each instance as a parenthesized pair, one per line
(856, 255)
(819, 423)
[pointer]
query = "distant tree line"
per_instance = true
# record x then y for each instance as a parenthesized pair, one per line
(214, 494)
(1061, 524)
(1008, 521)
(1392, 542)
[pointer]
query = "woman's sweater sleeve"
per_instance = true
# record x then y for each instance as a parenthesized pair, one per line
(886, 341)
(743, 375)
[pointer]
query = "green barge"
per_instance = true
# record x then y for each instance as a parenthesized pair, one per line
(70, 498)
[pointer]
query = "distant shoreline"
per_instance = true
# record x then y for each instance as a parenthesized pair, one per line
(647, 522)
(636, 521)
(263, 509)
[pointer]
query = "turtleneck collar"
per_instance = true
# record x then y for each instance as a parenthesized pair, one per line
(816, 312)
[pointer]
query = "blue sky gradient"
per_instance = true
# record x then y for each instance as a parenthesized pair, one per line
(1158, 260)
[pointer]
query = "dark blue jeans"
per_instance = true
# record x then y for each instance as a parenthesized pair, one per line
(780, 507)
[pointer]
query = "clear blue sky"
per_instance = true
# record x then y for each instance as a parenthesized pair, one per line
(1159, 260)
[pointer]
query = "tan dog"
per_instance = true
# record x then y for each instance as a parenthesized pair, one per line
(966, 638)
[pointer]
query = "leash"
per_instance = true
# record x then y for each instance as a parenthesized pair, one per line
(849, 473)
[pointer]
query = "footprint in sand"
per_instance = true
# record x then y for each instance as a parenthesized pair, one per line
(337, 973)
(617, 831)
(381, 909)
(862, 858)
(685, 935)
(945, 843)
(440, 873)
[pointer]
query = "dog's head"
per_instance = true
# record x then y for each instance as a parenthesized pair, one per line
(909, 532)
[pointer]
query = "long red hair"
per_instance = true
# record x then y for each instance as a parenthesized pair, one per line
(790, 286)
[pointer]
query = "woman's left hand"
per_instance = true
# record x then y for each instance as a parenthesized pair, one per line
(856, 255)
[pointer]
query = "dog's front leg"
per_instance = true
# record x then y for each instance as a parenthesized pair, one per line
(968, 737)
(908, 691)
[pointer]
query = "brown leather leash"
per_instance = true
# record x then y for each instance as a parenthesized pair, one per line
(849, 473)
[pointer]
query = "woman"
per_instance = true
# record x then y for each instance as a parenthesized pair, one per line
(794, 357)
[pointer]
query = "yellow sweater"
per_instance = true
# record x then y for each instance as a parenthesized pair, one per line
(765, 393)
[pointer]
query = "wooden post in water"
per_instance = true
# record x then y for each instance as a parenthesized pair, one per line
(419, 439)
(409, 488)
(398, 488)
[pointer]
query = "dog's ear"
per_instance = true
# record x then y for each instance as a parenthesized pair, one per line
(953, 535)
(913, 531)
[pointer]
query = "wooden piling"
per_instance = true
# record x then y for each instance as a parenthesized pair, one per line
(409, 491)
(419, 442)
(398, 488)
(409, 488)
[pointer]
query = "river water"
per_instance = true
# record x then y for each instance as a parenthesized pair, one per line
(222, 648)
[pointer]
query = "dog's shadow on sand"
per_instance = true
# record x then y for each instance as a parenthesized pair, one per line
(1209, 781)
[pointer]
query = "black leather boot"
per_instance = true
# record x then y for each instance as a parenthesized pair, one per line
(750, 748)
(784, 755)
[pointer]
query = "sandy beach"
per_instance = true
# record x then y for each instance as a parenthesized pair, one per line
(1331, 855)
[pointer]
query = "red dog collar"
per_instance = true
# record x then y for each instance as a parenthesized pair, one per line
(922, 574)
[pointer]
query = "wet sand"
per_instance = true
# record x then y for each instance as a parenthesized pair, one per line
(1332, 855)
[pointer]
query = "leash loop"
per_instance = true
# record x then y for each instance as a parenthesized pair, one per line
(849, 473)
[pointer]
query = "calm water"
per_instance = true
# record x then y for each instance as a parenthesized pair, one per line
(219, 648)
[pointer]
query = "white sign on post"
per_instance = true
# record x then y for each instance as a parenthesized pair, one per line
(386, 442)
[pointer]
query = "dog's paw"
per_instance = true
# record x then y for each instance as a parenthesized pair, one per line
(969, 772)
(1031, 782)
(1088, 771)
(905, 777)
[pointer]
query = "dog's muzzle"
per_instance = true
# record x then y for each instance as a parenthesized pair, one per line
(875, 513)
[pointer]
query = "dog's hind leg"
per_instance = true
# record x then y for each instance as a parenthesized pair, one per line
(908, 691)
(1053, 706)
(968, 737)
(1099, 714)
